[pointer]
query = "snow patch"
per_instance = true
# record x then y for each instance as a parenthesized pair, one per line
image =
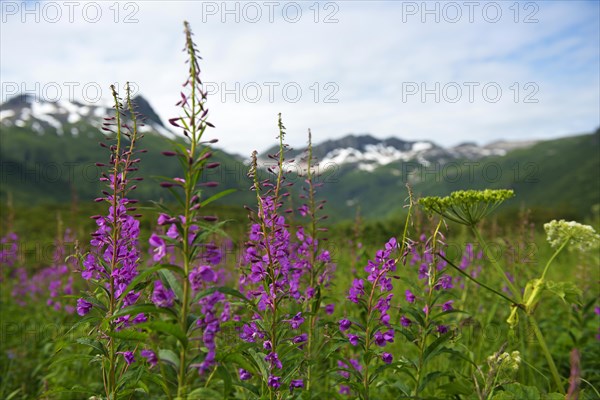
(421, 146)
(6, 114)
(36, 126)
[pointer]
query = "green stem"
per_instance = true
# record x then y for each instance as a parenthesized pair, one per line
(313, 255)
(553, 257)
(514, 302)
(496, 265)
(547, 354)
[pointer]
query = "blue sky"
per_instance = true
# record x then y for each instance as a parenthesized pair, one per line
(386, 68)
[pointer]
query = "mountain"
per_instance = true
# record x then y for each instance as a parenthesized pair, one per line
(66, 117)
(48, 153)
(560, 178)
(367, 153)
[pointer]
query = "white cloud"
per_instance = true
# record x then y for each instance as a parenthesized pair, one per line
(368, 55)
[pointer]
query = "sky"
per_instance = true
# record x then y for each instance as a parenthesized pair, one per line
(449, 72)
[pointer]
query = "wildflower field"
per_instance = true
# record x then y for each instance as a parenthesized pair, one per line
(184, 299)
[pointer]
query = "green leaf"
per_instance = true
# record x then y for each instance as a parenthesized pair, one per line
(13, 394)
(432, 349)
(227, 381)
(129, 334)
(252, 388)
(144, 274)
(93, 344)
(169, 356)
(203, 394)
(143, 308)
(516, 391)
(172, 282)
(217, 196)
(240, 360)
(429, 378)
(460, 386)
(260, 363)
(567, 291)
(168, 328)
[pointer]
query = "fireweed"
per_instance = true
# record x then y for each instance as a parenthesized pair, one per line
(53, 283)
(426, 314)
(284, 275)
(369, 335)
(185, 256)
(111, 265)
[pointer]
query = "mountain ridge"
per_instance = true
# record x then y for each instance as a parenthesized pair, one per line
(359, 170)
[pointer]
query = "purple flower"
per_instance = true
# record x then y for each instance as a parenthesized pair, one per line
(329, 309)
(202, 274)
(343, 365)
(410, 297)
(296, 384)
(131, 298)
(267, 345)
(384, 303)
(83, 307)
(387, 358)
(250, 332)
(355, 364)
(296, 321)
(274, 381)
(344, 389)
(345, 324)
(150, 356)
(405, 321)
(444, 282)
(447, 306)
(381, 339)
(172, 233)
(385, 319)
(140, 318)
(161, 296)
(442, 329)
(353, 339)
(300, 338)
(128, 356)
(356, 290)
(159, 245)
(244, 375)
(255, 232)
(273, 359)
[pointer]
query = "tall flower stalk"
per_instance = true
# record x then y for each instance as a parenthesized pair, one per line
(189, 231)
(319, 261)
(112, 264)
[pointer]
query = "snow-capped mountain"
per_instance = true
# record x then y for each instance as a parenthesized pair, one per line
(364, 152)
(68, 117)
(368, 153)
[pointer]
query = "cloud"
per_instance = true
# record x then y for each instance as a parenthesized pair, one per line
(353, 74)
